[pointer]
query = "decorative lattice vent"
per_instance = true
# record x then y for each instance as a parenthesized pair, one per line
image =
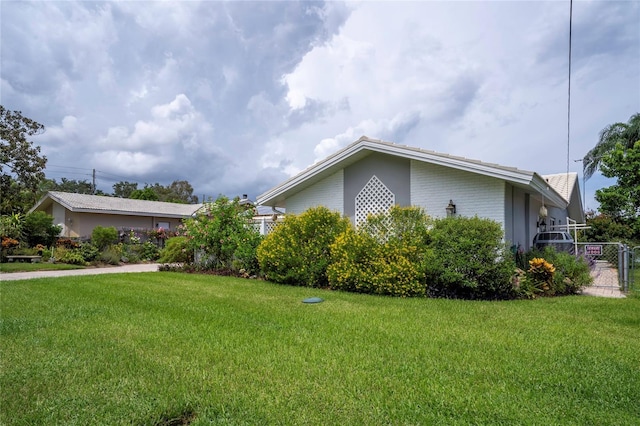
(374, 198)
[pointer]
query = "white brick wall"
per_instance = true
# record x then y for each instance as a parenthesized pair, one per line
(432, 187)
(329, 192)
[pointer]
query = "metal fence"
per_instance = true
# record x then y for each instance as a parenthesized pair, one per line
(634, 274)
(611, 263)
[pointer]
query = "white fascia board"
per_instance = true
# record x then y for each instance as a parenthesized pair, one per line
(310, 172)
(509, 174)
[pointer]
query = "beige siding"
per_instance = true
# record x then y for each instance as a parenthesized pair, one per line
(83, 223)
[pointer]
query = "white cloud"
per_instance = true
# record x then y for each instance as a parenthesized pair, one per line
(67, 128)
(179, 107)
(149, 81)
(127, 163)
(174, 133)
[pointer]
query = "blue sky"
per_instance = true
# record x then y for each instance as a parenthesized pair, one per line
(237, 96)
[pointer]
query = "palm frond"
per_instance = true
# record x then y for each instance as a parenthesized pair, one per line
(626, 133)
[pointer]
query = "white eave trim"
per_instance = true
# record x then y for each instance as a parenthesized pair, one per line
(364, 144)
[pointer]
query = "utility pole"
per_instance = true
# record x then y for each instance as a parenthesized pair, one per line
(93, 184)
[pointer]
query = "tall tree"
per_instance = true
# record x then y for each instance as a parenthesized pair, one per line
(182, 192)
(625, 134)
(74, 186)
(21, 163)
(144, 194)
(621, 201)
(123, 189)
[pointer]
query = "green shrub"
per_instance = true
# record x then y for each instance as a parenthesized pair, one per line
(176, 250)
(102, 237)
(38, 228)
(384, 256)
(24, 251)
(222, 237)
(570, 275)
(136, 252)
(467, 259)
(297, 251)
(72, 257)
(12, 226)
(112, 254)
(245, 257)
(89, 252)
(149, 251)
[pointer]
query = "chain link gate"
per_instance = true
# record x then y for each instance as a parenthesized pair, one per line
(634, 275)
(610, 263)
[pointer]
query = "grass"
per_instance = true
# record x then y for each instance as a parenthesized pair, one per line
(40, 266)
(634, 285)
(169, 348)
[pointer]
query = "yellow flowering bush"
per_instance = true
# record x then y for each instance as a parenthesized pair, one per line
(384, 256)
(297, 251)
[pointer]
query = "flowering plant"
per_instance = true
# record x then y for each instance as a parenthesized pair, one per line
(222, 237)
(8, 242)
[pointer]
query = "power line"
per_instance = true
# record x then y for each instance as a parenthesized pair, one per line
(569, 90)
(67, 167)
(60, 172)
(111, 174)
(104, 175)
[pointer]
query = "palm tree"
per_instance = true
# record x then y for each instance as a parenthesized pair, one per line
(626, 134)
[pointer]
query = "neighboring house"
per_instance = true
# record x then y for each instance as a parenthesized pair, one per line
(78, 214)
(370, 176)
(265, 218)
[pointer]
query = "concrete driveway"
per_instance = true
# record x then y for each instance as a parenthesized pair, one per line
(141, 267)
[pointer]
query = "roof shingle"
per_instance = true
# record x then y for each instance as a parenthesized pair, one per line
(114, 205)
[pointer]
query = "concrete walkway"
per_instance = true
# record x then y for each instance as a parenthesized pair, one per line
(605, 281)
(141, 267)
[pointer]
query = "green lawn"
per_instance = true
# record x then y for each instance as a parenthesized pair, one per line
(41, 266)
(635, 280)
(169, 348)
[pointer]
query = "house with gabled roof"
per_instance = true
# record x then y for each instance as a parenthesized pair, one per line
(78, 214)
(369, 176)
